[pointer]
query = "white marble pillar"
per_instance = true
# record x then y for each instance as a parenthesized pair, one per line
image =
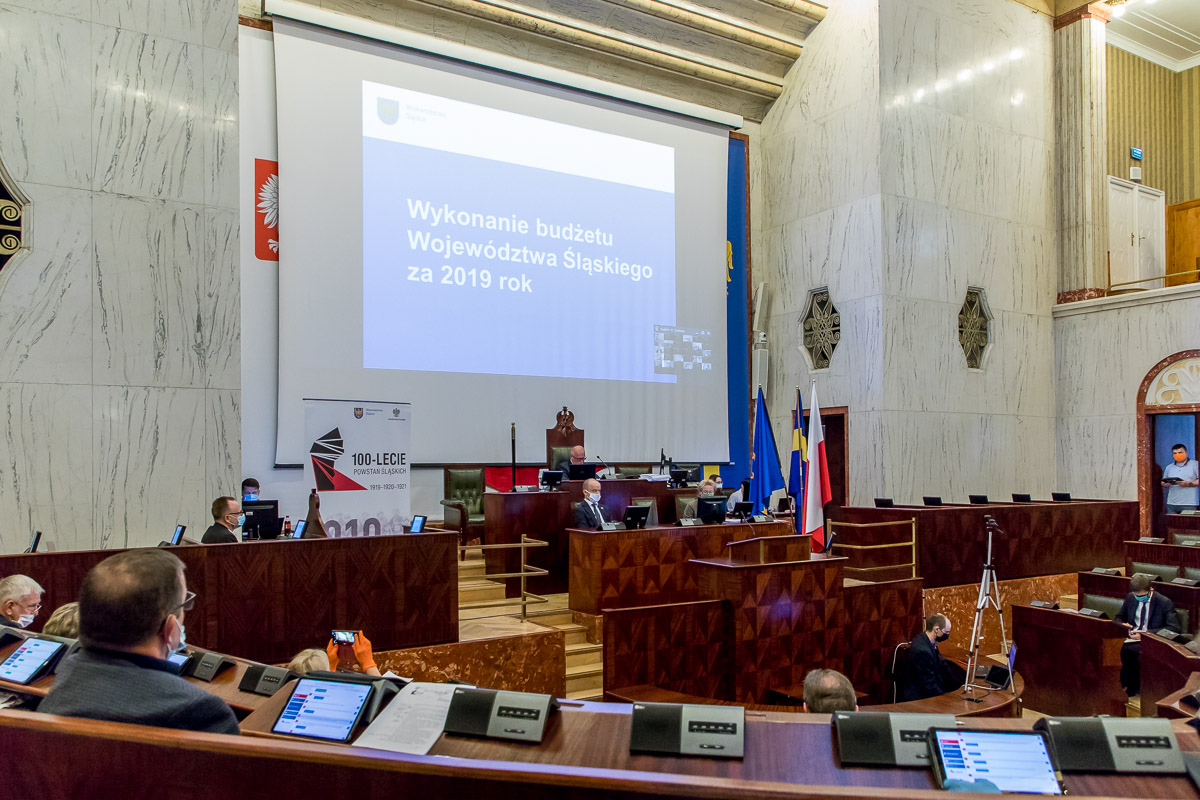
(1080, 122)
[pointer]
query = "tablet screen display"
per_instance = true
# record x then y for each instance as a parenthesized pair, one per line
(27, 659)
(299, 532)
(418, 524)
(1014, 762)
(323, 709)
(178, 659)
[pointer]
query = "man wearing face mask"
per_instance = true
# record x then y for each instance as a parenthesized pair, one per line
(1143, 610)
(589, 514)
(131, 611)
(20, 601)
(227, 517)
(1182, 492)
(250, 490)
(925, 672)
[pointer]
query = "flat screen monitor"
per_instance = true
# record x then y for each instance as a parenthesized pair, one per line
(34, 657)
(785, 504)
(978, 499)
(33, 544)
(742, 510)
(177, 536)
(262, 520)
(327, 710)
(298, 533)
(1022, 498)
(932, 501)
(551, 478)
(679, 477)
(1060, 497)
(710, 510)
(1012, 761)
(418, 523)
(582, 472)
(636, 516)
(884, 502)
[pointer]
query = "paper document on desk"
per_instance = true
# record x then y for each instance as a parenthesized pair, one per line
(412, 722)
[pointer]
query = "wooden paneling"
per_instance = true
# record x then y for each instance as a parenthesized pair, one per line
(622, 569)
(585, 757)
(1037, 538)
(1166, 667)
(1071, 663)
(879, 616)
(266, 601)
(1184, 597)
(1168, 554)
(684, 647)
(1183, 241)
(530, 662)
(547, 515)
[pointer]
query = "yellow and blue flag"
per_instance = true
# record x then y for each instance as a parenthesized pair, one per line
(798, 471)
(765, 475)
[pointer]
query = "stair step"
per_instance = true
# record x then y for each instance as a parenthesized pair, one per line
(575, 634)
(479, 591)
(587, 676)
(586, 694)
(585, 653)
(472, 568)
(551, 618)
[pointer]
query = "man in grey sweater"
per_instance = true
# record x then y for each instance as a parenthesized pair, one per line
(131, 610)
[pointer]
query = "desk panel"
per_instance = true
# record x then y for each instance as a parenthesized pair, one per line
(266, 601)
(1166, 667)
(1037, 538)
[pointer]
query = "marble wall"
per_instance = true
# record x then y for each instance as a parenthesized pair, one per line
(909, 158)
(120, 362)
(1102, 350)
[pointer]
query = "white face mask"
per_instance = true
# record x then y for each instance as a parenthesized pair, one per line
(719, 484)
(25, 620)
(182, 640)
(594, 497)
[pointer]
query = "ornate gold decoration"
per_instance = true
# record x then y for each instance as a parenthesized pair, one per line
(1175, 385)
(13, 219)
(974, 322)
(821, 328)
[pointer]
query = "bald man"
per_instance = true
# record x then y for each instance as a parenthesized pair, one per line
(589, 514)
(578, 456)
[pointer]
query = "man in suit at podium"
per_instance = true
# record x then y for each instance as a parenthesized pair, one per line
(1143, 610)
(578, 456)
(925, 674)
(589, 514)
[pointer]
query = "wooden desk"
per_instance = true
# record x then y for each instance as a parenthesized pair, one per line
(1038, 538)
(1071, 663)
(625, 569)
(548, 515)
(1168, 554)
(1117, 586)
(585, 757)
(38, 688)
(1173, 707)
(1183, 524)
(1166, 667)
(269, 600)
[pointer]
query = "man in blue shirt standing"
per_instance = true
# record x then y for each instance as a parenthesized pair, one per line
(1184, 491)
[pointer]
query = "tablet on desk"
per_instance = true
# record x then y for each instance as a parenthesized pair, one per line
(327, 710)
(33, 658)
(298, 533)
(418, 524)
(1012, 761)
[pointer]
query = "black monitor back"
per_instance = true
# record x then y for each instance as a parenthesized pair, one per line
(931, 501)
(884, 502)
(262, 519)
(710, 510)
(1022, 498)
(978, 499)
(583, 472)
(1060, 497)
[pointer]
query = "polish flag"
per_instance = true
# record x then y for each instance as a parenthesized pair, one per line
(816, 490)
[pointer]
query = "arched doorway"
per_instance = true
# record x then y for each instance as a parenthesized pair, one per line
(1170, 393)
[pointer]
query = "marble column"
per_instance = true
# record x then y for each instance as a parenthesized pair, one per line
(1080, 137)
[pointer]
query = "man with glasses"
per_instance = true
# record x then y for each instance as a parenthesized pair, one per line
(20, 601)
(131, 610)
(227, 517)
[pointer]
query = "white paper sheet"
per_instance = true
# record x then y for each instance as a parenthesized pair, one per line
(412, 722)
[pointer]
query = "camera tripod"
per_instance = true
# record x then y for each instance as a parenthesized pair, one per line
(989, 595)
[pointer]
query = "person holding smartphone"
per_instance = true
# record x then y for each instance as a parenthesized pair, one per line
(350, 651)
(1182, 479)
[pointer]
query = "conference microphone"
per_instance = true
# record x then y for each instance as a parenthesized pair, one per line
(601, 460)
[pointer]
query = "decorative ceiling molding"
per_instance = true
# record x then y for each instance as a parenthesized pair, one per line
(1150, 54)
(730, 55)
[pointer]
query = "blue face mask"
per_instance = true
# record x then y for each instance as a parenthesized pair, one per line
(1144, 599)
(250, 496)
(241, 520)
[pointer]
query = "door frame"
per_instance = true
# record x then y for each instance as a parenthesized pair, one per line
(1145, 443)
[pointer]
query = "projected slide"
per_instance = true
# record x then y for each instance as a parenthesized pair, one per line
(498, 243)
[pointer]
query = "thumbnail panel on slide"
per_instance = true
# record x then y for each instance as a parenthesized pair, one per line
(515, 245)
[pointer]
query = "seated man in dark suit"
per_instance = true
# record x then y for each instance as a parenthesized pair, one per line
(589, 514)
(827, 691)
(131, 609)
(926, 673)
(227, 517)
(578, 456)
(1143, 610)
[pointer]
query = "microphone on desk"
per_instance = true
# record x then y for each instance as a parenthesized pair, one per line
(601, 460)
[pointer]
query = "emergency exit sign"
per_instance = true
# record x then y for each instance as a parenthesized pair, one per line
(1135, 153)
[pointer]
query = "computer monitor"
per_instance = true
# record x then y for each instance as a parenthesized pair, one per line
(298, 533)
(884, 502)
(932, 501)
(635, 517)
(978, 499)
(679, 478)
(582, 472)
(262, 520)
(742, 510)
(710, 510)
(177, 536)
(1022, 498)
(418, 523)
(1060, 497)
(785, 504)
(551, 478)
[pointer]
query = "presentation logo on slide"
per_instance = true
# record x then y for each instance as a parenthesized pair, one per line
(325, 452)
(526, 228)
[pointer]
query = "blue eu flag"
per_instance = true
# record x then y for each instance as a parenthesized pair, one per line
(765, 475)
